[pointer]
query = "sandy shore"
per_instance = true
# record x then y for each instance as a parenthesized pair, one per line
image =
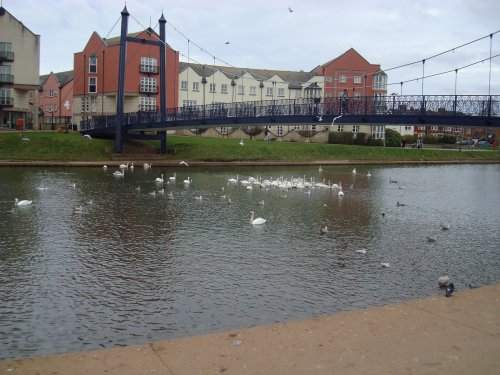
(437, 335)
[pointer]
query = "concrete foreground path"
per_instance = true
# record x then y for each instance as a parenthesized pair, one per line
(437, 335)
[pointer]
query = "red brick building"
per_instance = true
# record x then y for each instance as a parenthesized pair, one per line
(56, 100)
(96, 76)
(350, 71)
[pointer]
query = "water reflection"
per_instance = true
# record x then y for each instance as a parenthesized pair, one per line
(132, 267)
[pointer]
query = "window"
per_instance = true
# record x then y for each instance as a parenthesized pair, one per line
(30, 95)
(188, 103)
(355, 128)
(196, 86)
(147, 103)
(149, 65)
(89, 104)
(328, 78)
(434, 128)
(223, 88)
(241, 90)
(212, 87)
(93, 64)
(448, 128)
(184, 85)
(357, 94)
(296, 127)
(340, 128)
(281, 91)
(378, 132)
(148, 85)
(279, 130)
(92, 85)
(298, 93)
(342, 78)
(380, 82)
(223, 130)
(269, 91)
(357, 79)
(52, 93)
(253, 90)
(6, 51)
(407, 128)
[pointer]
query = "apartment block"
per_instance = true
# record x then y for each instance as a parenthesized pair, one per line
(19, 72)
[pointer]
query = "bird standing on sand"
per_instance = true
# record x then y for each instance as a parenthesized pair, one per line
(450, 289)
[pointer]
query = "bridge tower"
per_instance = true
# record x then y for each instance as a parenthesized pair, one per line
(120, 100)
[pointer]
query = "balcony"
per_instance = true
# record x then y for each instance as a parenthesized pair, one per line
(6, 56)
(148, 89)
(6, 79)
(149, 69)
(6, 102)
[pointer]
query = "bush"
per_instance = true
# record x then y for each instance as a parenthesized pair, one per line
(341, 138)
(430, 139)
(447, 139)
(361, 139)
(392, 138)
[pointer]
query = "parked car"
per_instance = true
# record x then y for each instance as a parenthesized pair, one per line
(484, 143)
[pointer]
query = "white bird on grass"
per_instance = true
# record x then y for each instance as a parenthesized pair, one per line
(23, 202)
(257, 221)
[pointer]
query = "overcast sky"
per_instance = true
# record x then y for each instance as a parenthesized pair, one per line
(265, 34)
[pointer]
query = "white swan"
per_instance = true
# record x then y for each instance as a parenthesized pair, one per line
(132, 167)
(199, 198)
(354, 171)
(124, 166)
(188, 181)
(257, 221)
(172, 178)
(159, 179)
(147, 166)
(368, 174)
(233, 180)
(104, 167)
(183, 163)
(320, 169)
(118, 174)
(23, 202)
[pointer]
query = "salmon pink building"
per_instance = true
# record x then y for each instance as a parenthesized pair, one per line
(96, 75)
(56, 100)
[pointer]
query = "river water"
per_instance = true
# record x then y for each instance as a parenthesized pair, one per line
(132, 267)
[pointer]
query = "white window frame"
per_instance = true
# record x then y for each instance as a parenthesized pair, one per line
(357, 79)
(223, 88)
(281, 91)
(355, 128)
(253, 90)
(92, 64)
(298, 93)
(340, 128)
(94, 85)
(241, 90)
(212, 87)
(196, 86)
(380, 82)
(269, 91)
(378, 132)
(149, 65)
(342, 78)
(148, 84)
(188, 103)
(147, 103)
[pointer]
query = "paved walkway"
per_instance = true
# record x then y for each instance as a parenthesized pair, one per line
(438, 335)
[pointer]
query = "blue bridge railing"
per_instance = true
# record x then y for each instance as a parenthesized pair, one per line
(356, 109)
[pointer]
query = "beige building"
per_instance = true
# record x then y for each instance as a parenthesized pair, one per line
(214, 85)
(19, 72)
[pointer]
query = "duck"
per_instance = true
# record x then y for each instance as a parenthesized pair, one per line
(257, 221)
(431, 238)
(445, 226)
(23, 202)
(449, 290)
(398, 204)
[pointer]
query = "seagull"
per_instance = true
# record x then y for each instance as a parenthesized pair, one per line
(445, 226)
(431, 239)
(228, 42)
(386, 265)
(242, 143)
(443, 281)
(361, 251)
(290, 10)
(324, 230)
(399, 204)
(87, 136)
(183, 163)
(450, 289)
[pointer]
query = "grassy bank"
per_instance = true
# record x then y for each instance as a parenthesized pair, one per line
(54, 146)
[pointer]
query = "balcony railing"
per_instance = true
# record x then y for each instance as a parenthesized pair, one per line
(151, 69)
(148, 89)
(6, 56)
(6, 79)
(6, 101)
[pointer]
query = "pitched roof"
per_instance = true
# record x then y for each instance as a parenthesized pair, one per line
(62, 77)
(113, 41)
(258, 74)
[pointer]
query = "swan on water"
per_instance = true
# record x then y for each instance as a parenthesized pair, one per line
(172, 178)
(159, 179)
(233, 180)
(147, 166)
(368, 174)
(188, 181)
(118, 174)
(354, 171)
(124, 166)
(104, 167)
(184, 164)
(320, 169)
(257, 221)
(132, 167)
(23, 202)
